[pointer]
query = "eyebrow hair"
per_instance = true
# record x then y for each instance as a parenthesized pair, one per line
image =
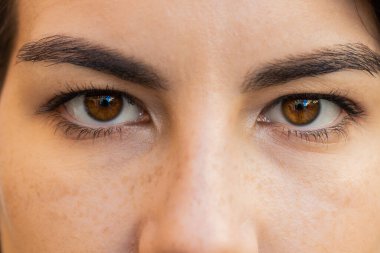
(353, 56)
(80, 52)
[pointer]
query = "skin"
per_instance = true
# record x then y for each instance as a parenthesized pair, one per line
(204, 177)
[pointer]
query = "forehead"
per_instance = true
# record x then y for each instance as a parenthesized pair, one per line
(198, 33)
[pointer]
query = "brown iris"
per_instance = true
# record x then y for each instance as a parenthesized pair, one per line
(301, 111)
(104, 108)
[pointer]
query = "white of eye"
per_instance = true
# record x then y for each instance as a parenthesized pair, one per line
(77, 110)
(329, 113)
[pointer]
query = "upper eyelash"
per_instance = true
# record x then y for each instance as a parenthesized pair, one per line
(352, 108)
(65, 96)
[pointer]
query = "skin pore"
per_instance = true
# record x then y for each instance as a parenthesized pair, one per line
(210, 170)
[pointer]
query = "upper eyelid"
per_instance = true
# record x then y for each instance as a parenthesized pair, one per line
(335, 97)
(64, 97)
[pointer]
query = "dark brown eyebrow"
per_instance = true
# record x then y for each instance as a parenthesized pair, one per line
(355, 56)
(80, 52)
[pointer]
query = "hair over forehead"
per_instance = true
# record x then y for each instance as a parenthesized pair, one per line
(8, 29)
(376, 6)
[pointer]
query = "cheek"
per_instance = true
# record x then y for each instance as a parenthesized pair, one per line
(342, 216)
(311, 202)
(78, 203)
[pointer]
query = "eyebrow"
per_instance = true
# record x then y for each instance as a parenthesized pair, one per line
(59, 49)
(80, 52)
(353, 56)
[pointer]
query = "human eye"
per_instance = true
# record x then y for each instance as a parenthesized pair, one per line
(312, 117)
(91, 113)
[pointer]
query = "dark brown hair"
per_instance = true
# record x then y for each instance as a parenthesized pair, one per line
(8, 31)
(376, 7)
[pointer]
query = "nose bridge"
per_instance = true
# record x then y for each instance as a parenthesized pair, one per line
(201, 153)
(198, 212)
(198, 200)
(204, 127)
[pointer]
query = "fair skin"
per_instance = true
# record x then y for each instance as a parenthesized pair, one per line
(204, 174)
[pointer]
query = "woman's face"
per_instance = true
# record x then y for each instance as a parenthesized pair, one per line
(191, 126)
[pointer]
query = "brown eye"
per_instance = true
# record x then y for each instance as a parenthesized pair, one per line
(99, 111)
(300, 111)
(103, 108)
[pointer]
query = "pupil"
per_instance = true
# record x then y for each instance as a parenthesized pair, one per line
(301, 111)
(105, 101)
(103, 108)
(301, 105)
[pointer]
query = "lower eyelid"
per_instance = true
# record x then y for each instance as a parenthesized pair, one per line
(74, 131)
(280, 134)
(329, 135)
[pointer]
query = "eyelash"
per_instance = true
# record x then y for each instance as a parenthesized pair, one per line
(72, 129)
(72, 92)
(354, 112)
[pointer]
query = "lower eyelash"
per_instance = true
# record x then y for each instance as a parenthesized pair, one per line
(78, 132)
(321, 135)
(71, 129)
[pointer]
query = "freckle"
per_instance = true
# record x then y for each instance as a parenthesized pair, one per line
(54, 190)
(125, 180)
(347, 201)
(249, 177)
(320, 215)
(78, 204)
(105, 230)
(132, 189)
(63, 217)
(158, 171)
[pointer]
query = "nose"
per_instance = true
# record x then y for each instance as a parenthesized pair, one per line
(201, 210)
